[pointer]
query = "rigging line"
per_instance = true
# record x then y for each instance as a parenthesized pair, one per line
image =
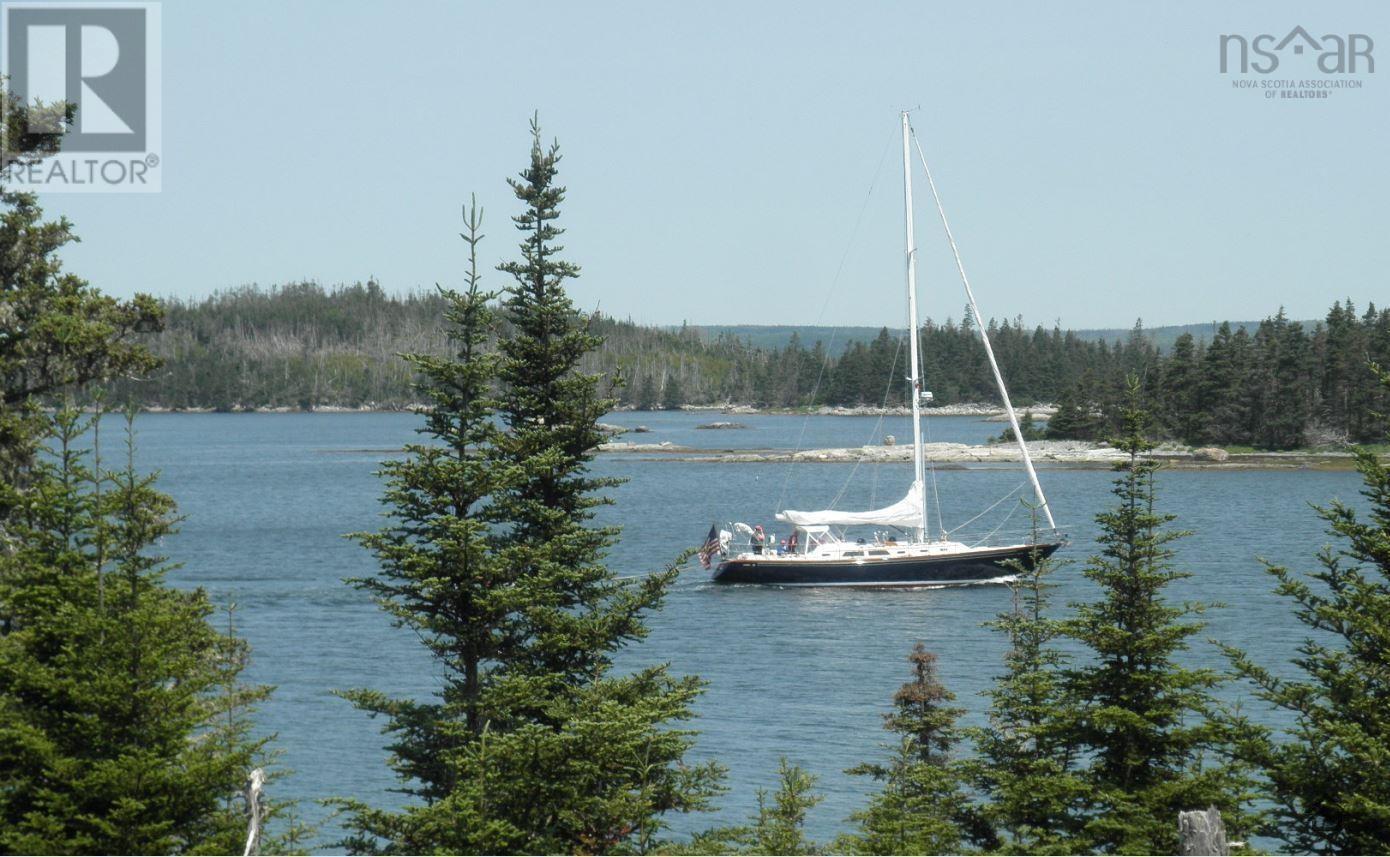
(998, 528)
(991, 508)
(858, 462)
(984, 338)
(935, 491)
(830, 292)
(873, 432)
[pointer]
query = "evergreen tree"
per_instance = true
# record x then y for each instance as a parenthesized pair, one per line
(672, 397)
(921, 808)
(1025, 770)
(442, 578)
(1224, 415)
(780, 826)
(1329, 776)
(1073, 418)
(1278, 386)
(1180, 380)
(616, 764)
(536, 745)
(122, 719)
(56, 330)
(646, 394)
(1144, 722)
(1342, 354)
(1027, 426)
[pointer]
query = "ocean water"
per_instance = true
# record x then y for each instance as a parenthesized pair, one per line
(803, 673)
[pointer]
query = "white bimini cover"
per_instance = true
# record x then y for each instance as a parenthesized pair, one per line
(907, 513)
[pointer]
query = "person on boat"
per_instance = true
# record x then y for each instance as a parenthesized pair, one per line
(792, 542)
(759, 539)
(782, 548)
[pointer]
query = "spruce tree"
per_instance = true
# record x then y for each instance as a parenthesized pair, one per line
(1025, 769)
(1328, 773)
(122, 727)
(1073, 419)
(1144, 723)
(1179, 382)
(646, 394)
(780, 825)
(1027, 426)
(56, 330)
(535, 744)
(614, 763)
(922, 806)
(672, 396)
(442, 577)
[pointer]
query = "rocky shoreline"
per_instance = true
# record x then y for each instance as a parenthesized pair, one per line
(1054, 453)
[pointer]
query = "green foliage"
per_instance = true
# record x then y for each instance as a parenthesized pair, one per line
(672, 397)
(646, 395)
(1026, 770)
(922, 806)
(534, 744)
(1027, 426)
(778, 827)
(1329, 775)
(440, 576)
(1073, 420)
(1143, 723)
(56, 331)
(123, 725)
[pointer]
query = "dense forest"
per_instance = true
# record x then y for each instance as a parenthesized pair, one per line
(1278, 386)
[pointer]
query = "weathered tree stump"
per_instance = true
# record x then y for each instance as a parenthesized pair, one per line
(1201, 832)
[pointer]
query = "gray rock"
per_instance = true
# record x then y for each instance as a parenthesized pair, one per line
(1210, 453)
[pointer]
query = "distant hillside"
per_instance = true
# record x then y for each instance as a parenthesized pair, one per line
(1275, 384)
(1164, 337)
(834, 339)
(837, 339)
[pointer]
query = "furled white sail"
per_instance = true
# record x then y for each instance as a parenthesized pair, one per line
(906, 513)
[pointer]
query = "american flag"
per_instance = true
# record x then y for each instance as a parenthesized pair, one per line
(711, 546)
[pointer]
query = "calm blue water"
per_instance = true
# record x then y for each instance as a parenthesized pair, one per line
(782, 431)
(801, 673)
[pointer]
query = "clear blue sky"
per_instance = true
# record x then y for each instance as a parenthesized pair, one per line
(1095, 164)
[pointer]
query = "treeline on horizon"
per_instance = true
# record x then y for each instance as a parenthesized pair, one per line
(1278, 386)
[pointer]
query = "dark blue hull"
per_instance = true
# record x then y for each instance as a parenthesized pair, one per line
(976, 567)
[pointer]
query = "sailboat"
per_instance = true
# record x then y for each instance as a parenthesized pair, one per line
(821, 553)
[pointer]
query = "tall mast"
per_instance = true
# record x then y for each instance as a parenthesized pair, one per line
(915, 381)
